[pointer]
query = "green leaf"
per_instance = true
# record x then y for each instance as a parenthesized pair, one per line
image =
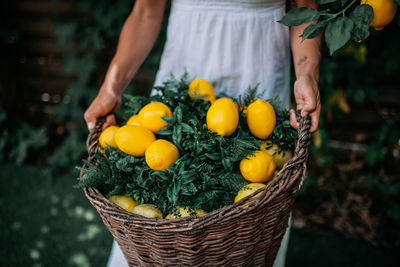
(189, 179)
(165, 131)
(227, 163)
(177, 135)
(186, 128)
(338, 33)
(124, 164)
(314, 29)
(214, 156)
(163, 175)
(178, 114)
(300, 15)
(173, 193)
(167, 119)
(362, 17)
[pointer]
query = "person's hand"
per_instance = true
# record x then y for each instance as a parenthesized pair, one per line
(104, 103)
(306, 93)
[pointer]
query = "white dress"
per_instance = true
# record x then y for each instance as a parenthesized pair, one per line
(233, 44)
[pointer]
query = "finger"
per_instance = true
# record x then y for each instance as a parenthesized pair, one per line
(95, 110)
(91, 114)
(309, 106)
(315, 120)
(110, 121)
(90, 120)
(314, 123)
(293, 120)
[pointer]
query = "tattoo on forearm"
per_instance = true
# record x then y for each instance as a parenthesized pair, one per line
(302, 60)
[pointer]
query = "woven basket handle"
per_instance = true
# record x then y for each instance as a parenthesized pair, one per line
(93, 138)
(301, 150)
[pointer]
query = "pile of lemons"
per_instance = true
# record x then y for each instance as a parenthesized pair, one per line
(138, 138)
(223, 118)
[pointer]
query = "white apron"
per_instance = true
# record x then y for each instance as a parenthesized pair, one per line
(232, 43)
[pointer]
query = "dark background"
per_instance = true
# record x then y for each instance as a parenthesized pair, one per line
(54, 57)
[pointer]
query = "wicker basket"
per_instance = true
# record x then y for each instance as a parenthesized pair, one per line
(230, 236)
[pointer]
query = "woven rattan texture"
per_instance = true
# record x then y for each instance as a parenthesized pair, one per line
(231, 236)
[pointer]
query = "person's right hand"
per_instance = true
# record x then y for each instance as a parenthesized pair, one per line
(104, 103)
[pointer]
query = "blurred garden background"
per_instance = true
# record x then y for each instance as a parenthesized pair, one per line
(54, 57)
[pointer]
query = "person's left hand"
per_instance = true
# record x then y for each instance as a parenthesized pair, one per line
(306, 93)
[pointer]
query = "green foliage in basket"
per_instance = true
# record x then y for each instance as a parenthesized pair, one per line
(206, 175)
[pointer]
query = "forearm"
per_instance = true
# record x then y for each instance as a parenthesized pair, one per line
(138, 36)
(307, 58)
(306, 54)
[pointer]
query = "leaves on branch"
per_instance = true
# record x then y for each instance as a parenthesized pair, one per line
(341, 25)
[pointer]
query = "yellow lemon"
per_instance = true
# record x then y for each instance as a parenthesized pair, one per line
(147, 210)
(261, 118)
(384, 11)
(185, 213)
(134, 120)
(126, 203)
(279, 158)
(258, 168)
(248, 190)
(134, 140)
(223, 116)
(161, 154)
(106, 137)
(150, 116)
(201, 88)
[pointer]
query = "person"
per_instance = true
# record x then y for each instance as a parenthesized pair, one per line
(232, 43)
